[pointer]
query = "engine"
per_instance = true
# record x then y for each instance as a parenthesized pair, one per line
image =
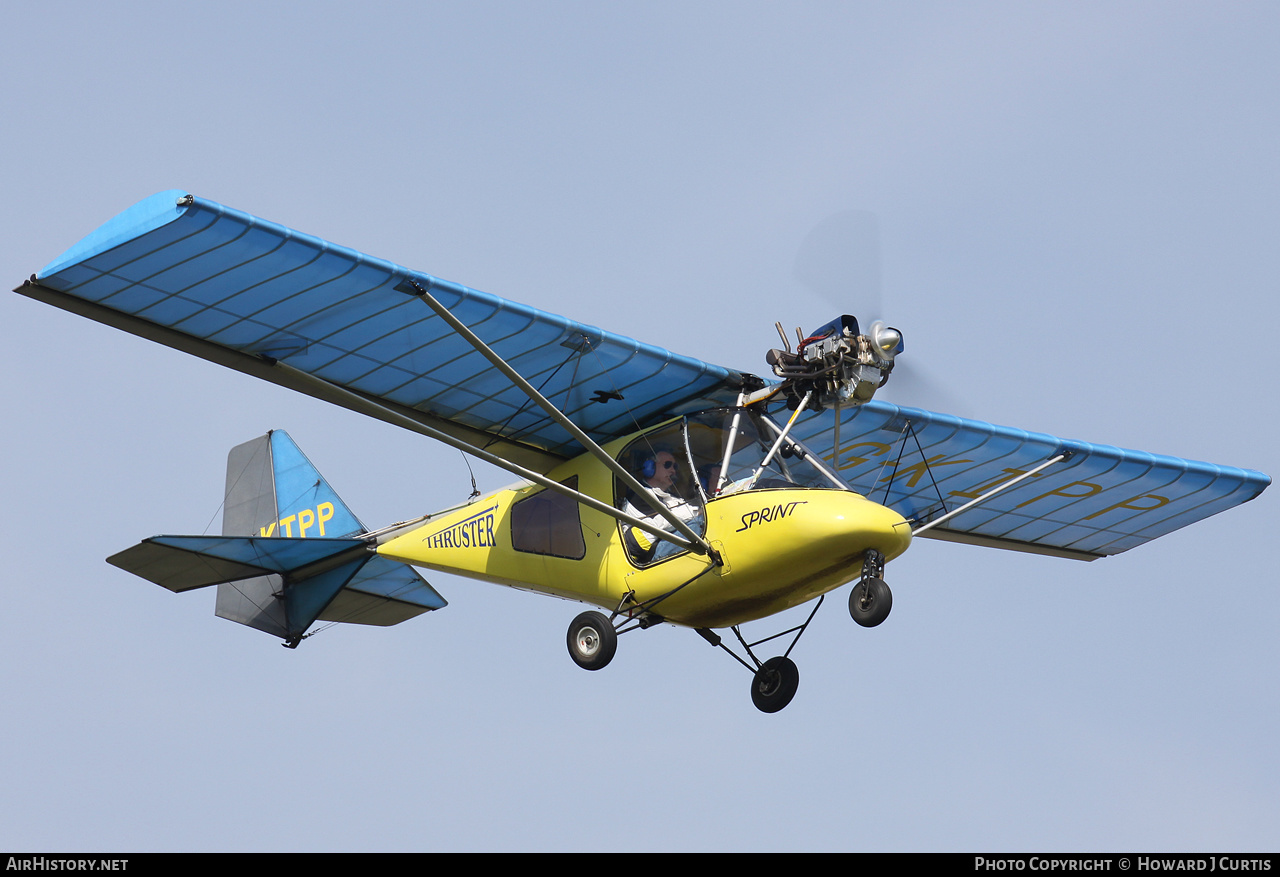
(837, 363)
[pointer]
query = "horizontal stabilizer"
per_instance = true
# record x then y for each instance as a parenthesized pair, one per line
(383, 592)
(281, 585)
(183, 563)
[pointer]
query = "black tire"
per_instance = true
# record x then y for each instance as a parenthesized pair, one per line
(870, 602)
(775, 684)
(592, 641)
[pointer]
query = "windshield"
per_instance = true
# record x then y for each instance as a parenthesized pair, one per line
(737, 449)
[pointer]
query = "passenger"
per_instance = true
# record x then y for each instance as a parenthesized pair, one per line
(709, 476)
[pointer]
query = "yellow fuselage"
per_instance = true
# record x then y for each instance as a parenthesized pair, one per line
(778, 548)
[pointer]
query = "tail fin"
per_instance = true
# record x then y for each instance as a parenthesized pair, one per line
(273, 490)
(290, 553)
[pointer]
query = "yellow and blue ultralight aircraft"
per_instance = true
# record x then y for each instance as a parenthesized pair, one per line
(656, 487)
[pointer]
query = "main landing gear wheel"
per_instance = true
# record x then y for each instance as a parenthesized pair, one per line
(870, 602)
(775, 684)
(592, 641)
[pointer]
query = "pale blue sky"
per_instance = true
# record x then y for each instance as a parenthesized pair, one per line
(1077, 207)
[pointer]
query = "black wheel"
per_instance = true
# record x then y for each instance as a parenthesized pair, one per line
(870, 602)
(592, 641)
(775, 684)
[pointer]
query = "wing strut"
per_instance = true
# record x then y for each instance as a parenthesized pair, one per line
(782, 436)
(990, 493)
(697, 543)
(322, 389)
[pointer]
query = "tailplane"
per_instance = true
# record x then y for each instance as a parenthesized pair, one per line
(291, 552)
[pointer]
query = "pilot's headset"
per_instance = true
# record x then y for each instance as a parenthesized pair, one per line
(649, 467)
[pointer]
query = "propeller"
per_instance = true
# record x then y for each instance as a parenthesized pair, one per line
(840, 261)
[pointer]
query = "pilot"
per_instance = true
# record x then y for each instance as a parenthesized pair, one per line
(659, 474)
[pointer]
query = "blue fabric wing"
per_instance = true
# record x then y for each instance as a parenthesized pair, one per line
(262, 292)
(1099, 501)
(253, 287)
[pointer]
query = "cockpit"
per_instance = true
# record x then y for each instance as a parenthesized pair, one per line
(704, 457)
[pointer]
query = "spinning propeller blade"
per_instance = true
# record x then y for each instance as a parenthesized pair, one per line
(840, 261)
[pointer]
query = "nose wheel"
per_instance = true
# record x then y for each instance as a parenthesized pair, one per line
(870, 600)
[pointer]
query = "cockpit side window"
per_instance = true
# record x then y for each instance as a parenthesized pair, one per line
(549, 523)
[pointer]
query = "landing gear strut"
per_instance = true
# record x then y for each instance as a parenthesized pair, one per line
(870, 600)
(774, 682)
